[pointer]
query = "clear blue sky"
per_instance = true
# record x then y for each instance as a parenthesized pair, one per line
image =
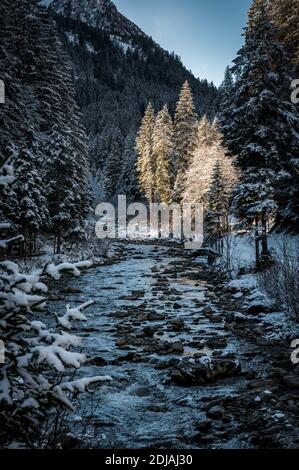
(205, 33)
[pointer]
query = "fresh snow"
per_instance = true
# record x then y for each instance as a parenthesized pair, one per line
(56, 271)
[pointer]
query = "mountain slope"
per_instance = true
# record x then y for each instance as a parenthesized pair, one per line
(117, 70)
(100, 14)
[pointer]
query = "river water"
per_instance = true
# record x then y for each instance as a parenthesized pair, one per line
(152, 287)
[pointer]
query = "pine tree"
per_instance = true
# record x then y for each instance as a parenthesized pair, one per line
(255, 11)
(285, 13)
(146, 165)
(40, 114)
(30, 198)
(208, 150)
(128, 182)
(113, 166)
(260, 125)
(185, 124)
(204, 134)
(217, 206)
(225, 89)
(163, 147)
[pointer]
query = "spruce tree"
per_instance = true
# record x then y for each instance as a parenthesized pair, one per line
(113, 166)
(285, 14)
(217, 208)
(208, 150)
(204, 135)
(185, 124)
(163, 147)
(39, 116)
(128, 182)
(225, 89)
(146, 165)
(260, 127)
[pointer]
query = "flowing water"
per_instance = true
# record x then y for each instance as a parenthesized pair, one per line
(151, 287)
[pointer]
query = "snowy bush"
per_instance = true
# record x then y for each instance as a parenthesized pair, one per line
(280, 281)
(38, 359)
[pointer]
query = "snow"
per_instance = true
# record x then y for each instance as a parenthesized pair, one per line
(5, 243)
(72, 38)
(9, 177)
(90, 47)
(280, 325)
(57, 357)
(24, 300)
(81, 385)
(65, 340)
(238, 295)
(73, 314)
(245, 282)
(56, 271)
(30, 403)
(120, 43)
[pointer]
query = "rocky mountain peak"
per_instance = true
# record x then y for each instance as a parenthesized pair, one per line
(101, 14)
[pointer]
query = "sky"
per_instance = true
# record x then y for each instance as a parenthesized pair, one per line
(206, 34)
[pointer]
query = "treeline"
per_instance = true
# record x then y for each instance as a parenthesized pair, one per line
(261, 124)
(182, 160)
(41, 136)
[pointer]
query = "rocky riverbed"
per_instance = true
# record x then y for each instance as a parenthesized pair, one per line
(192, 366)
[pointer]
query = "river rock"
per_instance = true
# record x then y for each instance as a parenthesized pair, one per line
(97, 361)
(256, 309)
(216, 412)
(292, 380)
(217, 342)
(177, 324)
(177, 347)
(148, 332)
(156, 316)
(204, 425)
(194, 371)
(207, 310)
(177, 306)
(130, 357)
(215, 318)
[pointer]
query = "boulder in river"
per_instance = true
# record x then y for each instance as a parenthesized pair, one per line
(196, 371)
(207, 310)
(257, 308)
(216, 412)
(177, 324)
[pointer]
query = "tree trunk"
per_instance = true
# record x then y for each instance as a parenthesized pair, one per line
(265, 252)
(57, 244)
(257, 243)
